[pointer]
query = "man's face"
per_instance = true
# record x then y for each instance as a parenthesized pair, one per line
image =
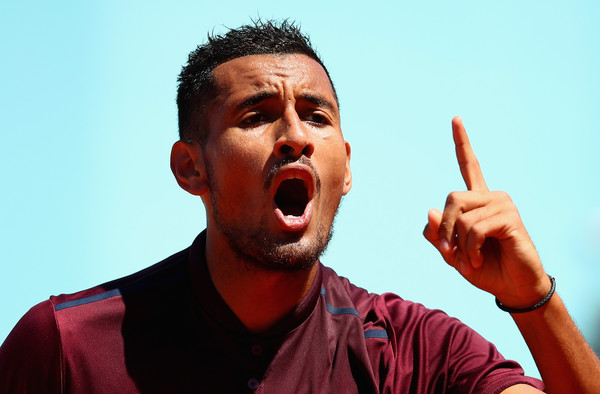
(276, 161)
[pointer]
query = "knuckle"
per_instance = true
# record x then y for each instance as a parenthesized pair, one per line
(502, 195)
(477, 231)
(472, 164)
(514, 217)
(453, 198)
(507, 205)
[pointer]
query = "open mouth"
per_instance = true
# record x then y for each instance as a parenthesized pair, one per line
(292, 197)
(294, 186)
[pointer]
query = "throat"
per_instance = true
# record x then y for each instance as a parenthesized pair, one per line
(262, 298)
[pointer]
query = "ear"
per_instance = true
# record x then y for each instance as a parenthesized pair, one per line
(348, 173)
(187, 164)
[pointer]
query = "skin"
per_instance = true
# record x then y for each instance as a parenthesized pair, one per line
(281, 109)
(269, 110)
(480, 234)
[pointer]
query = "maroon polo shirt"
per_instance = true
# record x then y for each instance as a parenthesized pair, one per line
(167, 330)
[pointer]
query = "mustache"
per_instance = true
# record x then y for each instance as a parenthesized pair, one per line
(288, 160)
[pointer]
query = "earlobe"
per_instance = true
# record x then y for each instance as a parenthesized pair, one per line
(348, 173)
(187, 165)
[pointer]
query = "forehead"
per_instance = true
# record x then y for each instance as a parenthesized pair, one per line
(296, 72)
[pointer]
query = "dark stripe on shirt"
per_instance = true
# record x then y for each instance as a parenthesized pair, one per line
(376, 334)
(335, 310)
(130, 288)
(87, 300)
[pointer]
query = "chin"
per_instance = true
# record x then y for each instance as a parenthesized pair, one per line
(293, 254)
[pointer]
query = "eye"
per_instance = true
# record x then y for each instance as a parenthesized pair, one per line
(253, 120)
(317, 118)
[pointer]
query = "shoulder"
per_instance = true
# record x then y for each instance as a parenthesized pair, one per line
(423, 345)
(168, 270)
(30, 356)
(70, 331)
(36, 327)
(388, 310)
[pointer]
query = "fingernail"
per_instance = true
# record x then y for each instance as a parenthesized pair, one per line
(444, 245)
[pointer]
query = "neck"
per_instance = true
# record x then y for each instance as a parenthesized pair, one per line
(260, 297)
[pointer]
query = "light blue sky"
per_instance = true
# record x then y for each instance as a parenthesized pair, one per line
(88, 116)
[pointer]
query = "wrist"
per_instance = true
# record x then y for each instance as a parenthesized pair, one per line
(523, 307)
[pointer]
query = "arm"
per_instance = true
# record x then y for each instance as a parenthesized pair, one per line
(30, 357)
(480, 234)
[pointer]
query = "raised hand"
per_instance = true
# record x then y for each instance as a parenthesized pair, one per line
(480, 233)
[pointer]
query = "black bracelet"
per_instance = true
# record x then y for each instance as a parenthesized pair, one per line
(531, 308)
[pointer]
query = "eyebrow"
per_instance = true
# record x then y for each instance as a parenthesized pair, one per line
(255, 99)
(313, 98)
(319, 101)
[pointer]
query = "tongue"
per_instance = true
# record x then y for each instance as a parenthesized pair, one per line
(294, 223)
(292, 206)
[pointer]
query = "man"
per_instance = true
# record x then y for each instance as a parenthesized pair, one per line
(249, 307)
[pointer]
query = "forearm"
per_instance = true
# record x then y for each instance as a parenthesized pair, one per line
(480, 233)
(566, 362)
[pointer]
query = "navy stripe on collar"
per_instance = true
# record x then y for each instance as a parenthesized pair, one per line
(87, 300)
(335, 310)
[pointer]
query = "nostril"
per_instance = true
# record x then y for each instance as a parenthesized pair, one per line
(307, 151)
(285, 149)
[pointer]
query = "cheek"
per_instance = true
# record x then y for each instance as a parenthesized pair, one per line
(334, 176)
(240, 158)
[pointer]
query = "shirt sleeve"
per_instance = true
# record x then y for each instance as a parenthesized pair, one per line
(30, 357)
(440, 354)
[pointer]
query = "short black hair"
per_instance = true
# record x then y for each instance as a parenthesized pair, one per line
(196, 83)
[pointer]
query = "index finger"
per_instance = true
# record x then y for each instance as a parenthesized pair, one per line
(468, 163)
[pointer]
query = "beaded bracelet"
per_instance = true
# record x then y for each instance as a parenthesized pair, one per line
(531, 308)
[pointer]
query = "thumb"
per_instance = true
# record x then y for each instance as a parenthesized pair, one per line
(431, 231)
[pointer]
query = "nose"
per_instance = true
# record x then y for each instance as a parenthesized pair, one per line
(294, 139)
